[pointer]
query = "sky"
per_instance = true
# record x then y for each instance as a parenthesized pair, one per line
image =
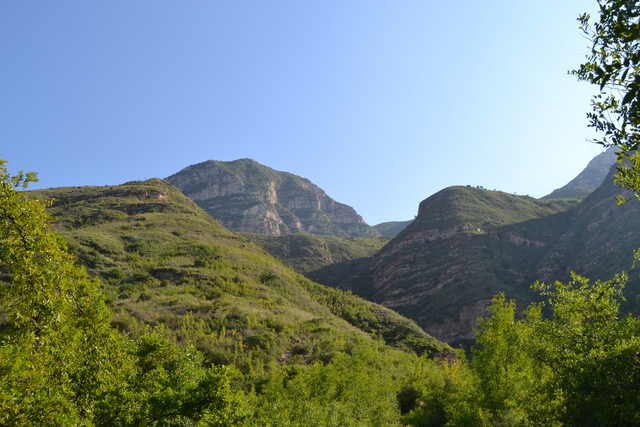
(379, 103)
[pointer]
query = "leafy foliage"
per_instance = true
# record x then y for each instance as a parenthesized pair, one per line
(614, 65)
(577, 366)
(348, 391)
(503, 370)
(61, 363)
(593, 353)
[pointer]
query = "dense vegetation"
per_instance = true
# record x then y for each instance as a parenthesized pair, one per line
(61, 362)
(64, 364)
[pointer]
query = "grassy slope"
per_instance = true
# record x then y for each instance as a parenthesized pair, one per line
(323, 259)
(162, 260)
(569, 193)
(484, 209)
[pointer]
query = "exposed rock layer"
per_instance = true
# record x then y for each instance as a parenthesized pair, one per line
(247, 196)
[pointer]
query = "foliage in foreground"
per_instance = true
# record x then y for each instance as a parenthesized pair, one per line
(61, 362)
(64, 364)
(578, 366)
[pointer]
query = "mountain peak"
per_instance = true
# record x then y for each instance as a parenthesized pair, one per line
(246, 196)
(589, 179)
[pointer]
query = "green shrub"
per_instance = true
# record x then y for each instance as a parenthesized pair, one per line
(145, 296)
(116, 273)
(301, 349)
(267, 277)
(200, 263)
(140, 277)
(265, 340)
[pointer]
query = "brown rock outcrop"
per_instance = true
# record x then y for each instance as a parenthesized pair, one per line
(246, 196)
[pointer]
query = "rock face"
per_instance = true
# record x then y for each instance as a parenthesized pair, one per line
(467, 245)
(589, 179)
(247, 196)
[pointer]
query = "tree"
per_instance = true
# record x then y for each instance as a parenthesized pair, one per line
(61, 363)
(594, 355)
(57, 344)
(503, 370)
(614, 65)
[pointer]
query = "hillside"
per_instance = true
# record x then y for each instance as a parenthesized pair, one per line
(246, 196)
(599, 241)
(164, 261)
(468, 244)
(465, 246)
(328, 260)
(392, 228)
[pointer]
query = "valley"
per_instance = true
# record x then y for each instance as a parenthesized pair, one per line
(309, 308)
(441, 269)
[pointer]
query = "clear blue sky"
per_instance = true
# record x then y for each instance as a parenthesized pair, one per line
(381, 104)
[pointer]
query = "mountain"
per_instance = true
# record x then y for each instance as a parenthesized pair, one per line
(246, 196)
(392, 228)
(164, 262)
(589, 179)
(468, 244)
(599, 241)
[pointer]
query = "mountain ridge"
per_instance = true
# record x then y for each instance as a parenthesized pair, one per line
(589, 179)
(467, 245)
(392, 228)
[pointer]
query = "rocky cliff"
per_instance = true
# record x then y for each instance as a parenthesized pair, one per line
(249, 197)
